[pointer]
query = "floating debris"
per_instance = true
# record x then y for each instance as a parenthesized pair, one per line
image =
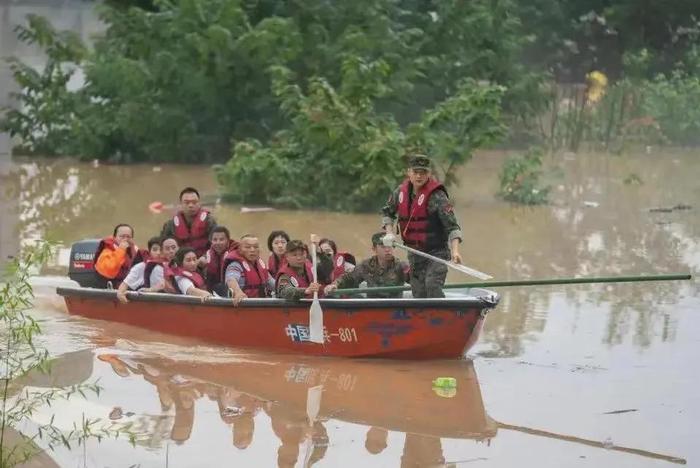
(667, 209)
(621, 411)
(116, 413)
(232, 411)
(256, 209)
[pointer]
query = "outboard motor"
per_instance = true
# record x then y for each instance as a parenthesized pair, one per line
(81, 267)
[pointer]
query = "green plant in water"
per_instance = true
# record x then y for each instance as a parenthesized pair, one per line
(340, 153)
(520, 179)
(21, 355)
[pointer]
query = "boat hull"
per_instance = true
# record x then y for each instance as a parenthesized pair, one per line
(385, 328)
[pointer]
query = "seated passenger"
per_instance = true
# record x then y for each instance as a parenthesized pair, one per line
(342, 262)
(245, 272)
(115, 255)
(149, 276)
(183, 278)
(295, 278)
(221, 244)
(276, 244)
(382, 269)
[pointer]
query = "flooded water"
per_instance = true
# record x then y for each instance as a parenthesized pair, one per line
(580, 375)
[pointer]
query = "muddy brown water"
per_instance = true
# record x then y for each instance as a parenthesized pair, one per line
(587, 375)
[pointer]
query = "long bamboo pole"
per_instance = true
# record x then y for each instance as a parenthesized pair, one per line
(536, 282)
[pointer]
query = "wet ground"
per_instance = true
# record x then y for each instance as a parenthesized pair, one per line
(598, 375)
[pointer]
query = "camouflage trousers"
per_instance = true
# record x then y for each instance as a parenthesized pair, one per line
(427, 276)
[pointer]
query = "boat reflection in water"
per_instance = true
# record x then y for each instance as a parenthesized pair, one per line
(300, 395)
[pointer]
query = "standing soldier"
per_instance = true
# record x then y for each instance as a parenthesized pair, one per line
(192, 225)
(427, 223)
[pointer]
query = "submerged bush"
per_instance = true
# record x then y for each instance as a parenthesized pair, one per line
(520, 179)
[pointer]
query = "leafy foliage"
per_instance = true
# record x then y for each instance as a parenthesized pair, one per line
(351, 155)
(520, 179)
(180, 81)
(20, 355)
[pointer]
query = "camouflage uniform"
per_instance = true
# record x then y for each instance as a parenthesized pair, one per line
(284, 288)
(394, 274)
(427, 276)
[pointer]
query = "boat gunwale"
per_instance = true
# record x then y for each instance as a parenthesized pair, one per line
(488, 300)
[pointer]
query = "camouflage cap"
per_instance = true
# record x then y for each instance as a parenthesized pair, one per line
(419, 161)
(377, 238)
(294, 245)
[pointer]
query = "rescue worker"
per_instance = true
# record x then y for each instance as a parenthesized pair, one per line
(295, 279)
(221, 244)
(183, 277)
(115, 255)
(192, 225)
(245, 272)
(276, 244)
(427, 222)
(382, 269)
(343, 262)
(149, 276)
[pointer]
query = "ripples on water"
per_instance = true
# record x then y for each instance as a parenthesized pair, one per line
(551, 359)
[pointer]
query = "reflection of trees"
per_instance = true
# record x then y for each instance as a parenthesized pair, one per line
(52, 196)
(620, 236)
(66, 200)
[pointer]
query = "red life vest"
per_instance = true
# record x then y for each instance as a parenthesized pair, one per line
(142, 255)
(256, 274)
(215, 269)
(419, 229)
(171, 273)
(339, 261)
(299, 281)
(150, 265)
(274, 263)
(129, 260)
(196, 236)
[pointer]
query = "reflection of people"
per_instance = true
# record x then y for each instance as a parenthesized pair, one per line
(242, 421)
(375, 442)
(420, 451)
(184, 413)
(319, 440)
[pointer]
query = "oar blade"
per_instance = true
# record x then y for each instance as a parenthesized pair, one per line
(316, 321)
(470, 271)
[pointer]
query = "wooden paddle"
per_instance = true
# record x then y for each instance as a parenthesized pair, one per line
(315, 313)
(390, 241)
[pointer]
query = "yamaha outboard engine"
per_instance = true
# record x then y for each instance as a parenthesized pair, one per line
(81, 267)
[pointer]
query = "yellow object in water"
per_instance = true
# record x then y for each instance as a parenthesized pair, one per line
(445, 387)
(597, 82)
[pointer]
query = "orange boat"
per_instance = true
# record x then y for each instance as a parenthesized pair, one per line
(383, 328)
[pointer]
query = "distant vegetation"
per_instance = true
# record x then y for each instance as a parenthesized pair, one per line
(314, 103)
